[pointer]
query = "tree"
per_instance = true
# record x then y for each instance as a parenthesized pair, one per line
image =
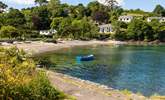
(63, 10)
(113, 9)
(114, 14)
(92, 7)
(163, 13)
(159, 10)
(155, 24)
(53, 7)
(101, 17)
(75, 28)
(140, 30)
(111, 4)
(9, 32)
(158, 29)
(64, 27)
(40, 18)
(80, 11)
(2, 6)
(28, 17)
(161, 34)
(119, 30)
(15, 18)
(41, 2)
(85, 29)
(56, 22)
(2, 20)
(147, 31)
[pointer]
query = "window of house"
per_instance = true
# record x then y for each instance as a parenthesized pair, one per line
(102, 30)
(109, 29)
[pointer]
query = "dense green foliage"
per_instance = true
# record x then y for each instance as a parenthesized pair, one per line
(8, 32)
(79, 21)
(74, 28)
(14, 18)
(40, 18)
(139, 30)
(119, 31)
(101, 17)
(159, 10)
(19, 79)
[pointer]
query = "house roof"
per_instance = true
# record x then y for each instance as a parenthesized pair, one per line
(156, 17)
(121, 17)
(105, 25)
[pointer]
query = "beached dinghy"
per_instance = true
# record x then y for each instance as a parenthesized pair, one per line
(85, 58)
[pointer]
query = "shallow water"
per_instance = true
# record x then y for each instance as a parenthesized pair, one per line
(136, 68)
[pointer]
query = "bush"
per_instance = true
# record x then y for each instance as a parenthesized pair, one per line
(19, 79)
(121, 35)
(8, 32)
(38, 88)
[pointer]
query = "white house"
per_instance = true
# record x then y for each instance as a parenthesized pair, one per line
(48, 32)
(106, 28)
(160, 19)
(4, 10)
(125, 19)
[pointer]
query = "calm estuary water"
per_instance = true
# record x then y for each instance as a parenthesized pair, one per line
(136, 68)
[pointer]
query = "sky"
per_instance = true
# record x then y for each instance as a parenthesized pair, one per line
(147, 5)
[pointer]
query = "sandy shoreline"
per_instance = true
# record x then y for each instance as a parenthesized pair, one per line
(38, 47)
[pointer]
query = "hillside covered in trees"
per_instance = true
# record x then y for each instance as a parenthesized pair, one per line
(79, 21)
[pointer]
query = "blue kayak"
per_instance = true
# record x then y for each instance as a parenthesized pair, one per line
(85, 58)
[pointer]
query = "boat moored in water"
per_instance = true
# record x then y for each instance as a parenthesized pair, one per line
(85, 58)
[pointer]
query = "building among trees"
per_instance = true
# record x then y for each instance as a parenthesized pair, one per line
(125, 19)
(106, 28)
(160, 19)
(48, 32)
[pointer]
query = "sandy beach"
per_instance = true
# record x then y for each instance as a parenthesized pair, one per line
(37, 47)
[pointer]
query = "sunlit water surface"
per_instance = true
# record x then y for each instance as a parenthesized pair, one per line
(136, 68)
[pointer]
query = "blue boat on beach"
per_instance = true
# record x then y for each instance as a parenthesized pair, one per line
(85, 58)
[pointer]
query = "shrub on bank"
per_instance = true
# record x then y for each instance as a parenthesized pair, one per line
(19, 79)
